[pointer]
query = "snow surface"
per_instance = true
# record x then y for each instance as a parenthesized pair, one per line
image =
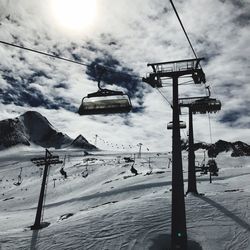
(111, 209)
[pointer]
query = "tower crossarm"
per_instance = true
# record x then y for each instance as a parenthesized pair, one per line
(175, 69)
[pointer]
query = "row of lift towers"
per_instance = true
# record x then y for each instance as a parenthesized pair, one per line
(106, 101)
(203, 104)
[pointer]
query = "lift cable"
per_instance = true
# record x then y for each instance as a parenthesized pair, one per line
(43, 53)
(165, 98)
(15, 168)
(66, 59)
(210, 128)
(177, 15)
(183, 28)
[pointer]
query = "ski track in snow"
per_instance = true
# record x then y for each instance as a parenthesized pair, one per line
(104, 211)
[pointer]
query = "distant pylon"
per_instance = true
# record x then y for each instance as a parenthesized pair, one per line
(43, 161)
(96, 140)
(139, 145)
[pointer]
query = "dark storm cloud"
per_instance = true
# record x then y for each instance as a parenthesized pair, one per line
(233, 117)
(61, 85)
(122, 78)
(21, 93)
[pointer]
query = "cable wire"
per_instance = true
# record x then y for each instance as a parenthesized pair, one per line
(43, 53)
(176, 13)
(165, 98)
(66, 59)
(209, 119)
(210, 129)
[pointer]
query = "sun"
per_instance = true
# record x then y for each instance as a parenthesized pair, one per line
(77, 15)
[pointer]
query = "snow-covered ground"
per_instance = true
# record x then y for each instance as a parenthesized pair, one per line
(111, 209)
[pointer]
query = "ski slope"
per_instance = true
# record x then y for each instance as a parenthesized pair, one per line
(111, 209)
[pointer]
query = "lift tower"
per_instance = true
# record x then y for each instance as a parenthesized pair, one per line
(173, 70)
(196, 105)
(43, 161)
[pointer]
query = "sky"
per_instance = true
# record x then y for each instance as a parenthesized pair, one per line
(125, 36)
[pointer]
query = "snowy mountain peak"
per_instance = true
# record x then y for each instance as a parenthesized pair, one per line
(32, 127)
(237, 148)
(81, 142)
(80, 138)
(34, 116)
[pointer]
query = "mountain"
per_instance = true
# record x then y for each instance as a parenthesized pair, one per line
(33, 128)
(81, 142)
(237, 148)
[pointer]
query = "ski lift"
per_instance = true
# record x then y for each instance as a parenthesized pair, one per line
(213, 168)
(63, 173)
(198, 76)
(105, 101)
(182, 125)
(19, 181)
(202, 168)
(85, 173)
(206, 105)
(133, 170)
(19, 178)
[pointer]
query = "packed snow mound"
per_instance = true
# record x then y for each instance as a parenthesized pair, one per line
(33, 128)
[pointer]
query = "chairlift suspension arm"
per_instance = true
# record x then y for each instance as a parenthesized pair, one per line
(100, 71)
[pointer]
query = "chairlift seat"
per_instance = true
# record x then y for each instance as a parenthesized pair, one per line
(182, 125)
(206, 105)
(213, 168)
(105, 102)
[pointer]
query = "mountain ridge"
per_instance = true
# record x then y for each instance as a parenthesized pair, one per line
(34, 128)
(237, 148)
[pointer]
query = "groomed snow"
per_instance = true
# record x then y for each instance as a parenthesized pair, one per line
(111, 209)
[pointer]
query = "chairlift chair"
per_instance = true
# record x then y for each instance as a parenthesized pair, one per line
(105, 101)
(213, 168)
(182, 125)
(206, 105)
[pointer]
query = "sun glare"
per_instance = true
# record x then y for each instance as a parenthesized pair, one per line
(77, 15)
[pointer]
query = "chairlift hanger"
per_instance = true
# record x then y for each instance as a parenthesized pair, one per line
(104, 101)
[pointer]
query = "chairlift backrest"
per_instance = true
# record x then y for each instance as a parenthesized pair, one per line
(105, 102)
(206, 105)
